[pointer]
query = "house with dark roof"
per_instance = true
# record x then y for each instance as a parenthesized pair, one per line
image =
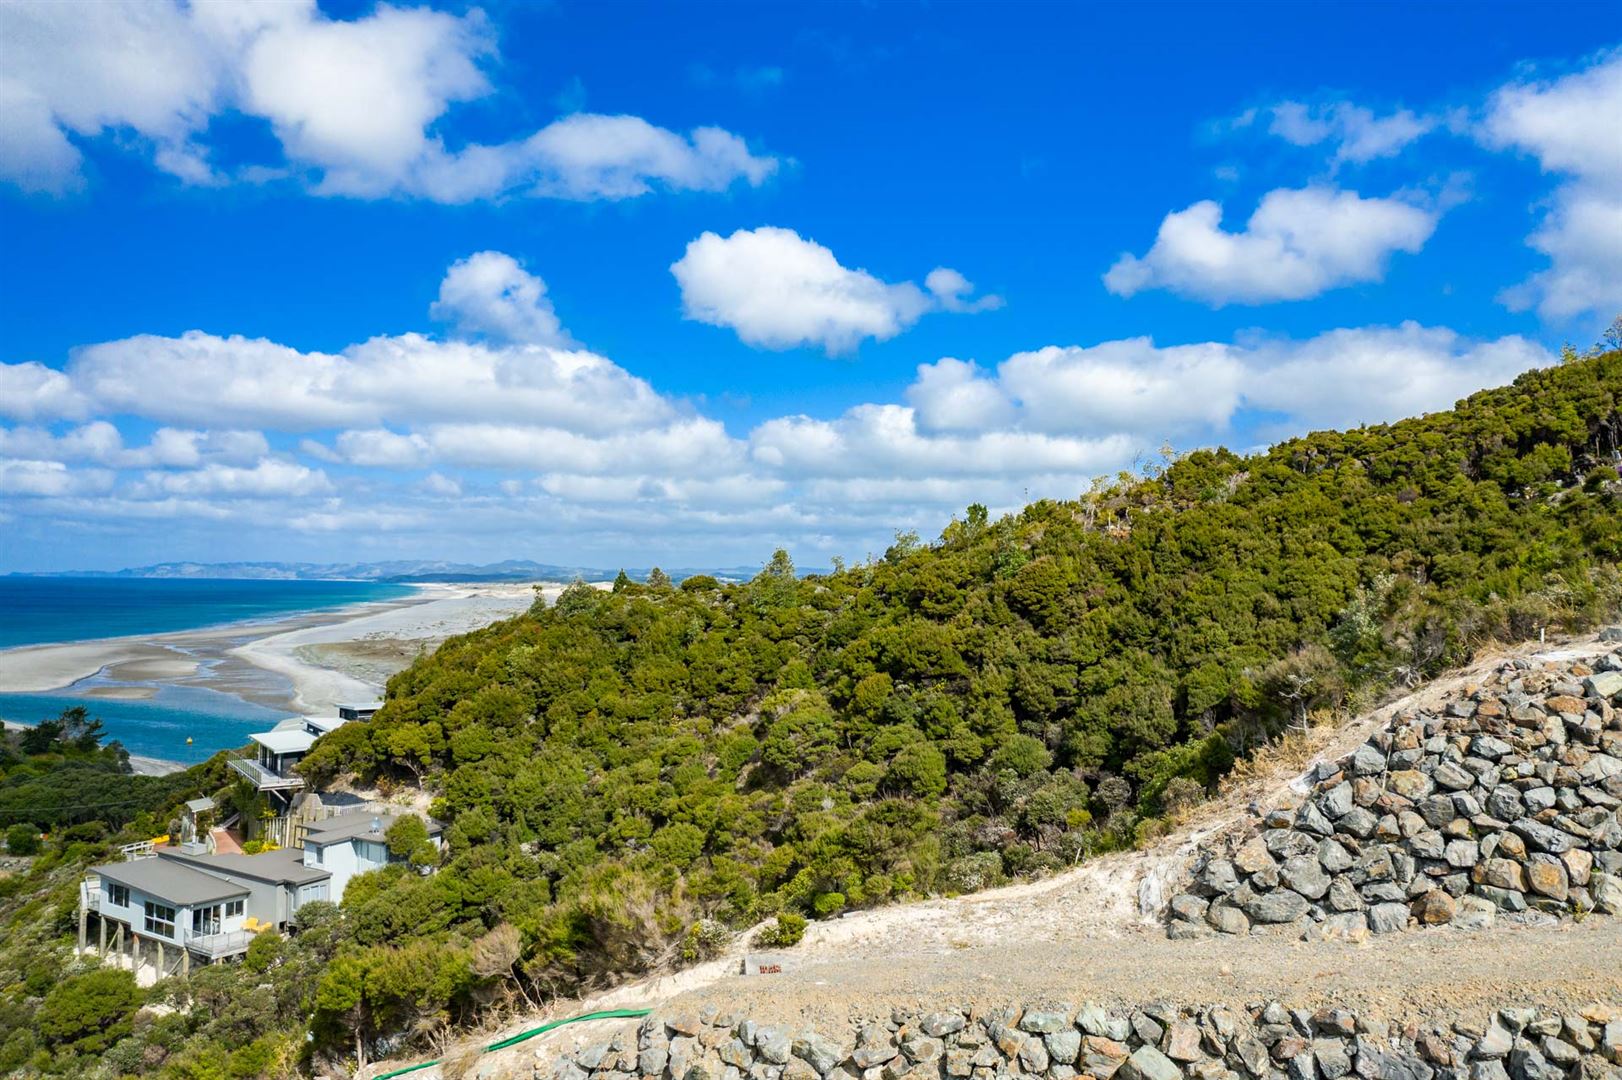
(181, 904)
(164, 912)
(353, 843)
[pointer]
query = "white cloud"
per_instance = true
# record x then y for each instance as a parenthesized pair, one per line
(380, 446)
(201, 378)
(269, 478)
(778, 290)
(88, 68)
(1298, 244)
(49, 479)
(99, 442)
(1127, 386)
(588, 156)
(952, 292)
(954, 395)
(1570, 126)
(1358, 135)
(1344, 378)
(356, 99)
(489, 294)
(32, 391)
(544, 444)
(357, 105)
(442, 486)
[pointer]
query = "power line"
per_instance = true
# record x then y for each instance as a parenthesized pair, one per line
(79, 806)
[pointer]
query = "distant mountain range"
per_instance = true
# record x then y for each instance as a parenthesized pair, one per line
(400, 570)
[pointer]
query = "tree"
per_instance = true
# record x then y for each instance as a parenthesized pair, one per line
(22, 839)
(658, 579)
(407, 838)
(89, 1012)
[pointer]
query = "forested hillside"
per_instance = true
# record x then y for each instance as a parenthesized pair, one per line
(630, 776)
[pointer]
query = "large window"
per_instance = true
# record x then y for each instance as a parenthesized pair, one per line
(160, 919)
(205, 920)
(118, 894)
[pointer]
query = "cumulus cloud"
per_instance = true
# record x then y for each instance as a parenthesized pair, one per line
(1355, 132)
(357, 106)
(49, 479)
(199, 378)
(32, 391)
(267, 479)
(1298, 244)
(778, 290)
(1570, 126)
(489, 294)
(103, 444)
(535, 441)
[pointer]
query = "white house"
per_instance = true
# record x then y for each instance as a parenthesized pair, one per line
(164, 912)
(353, 843)
(178, 904)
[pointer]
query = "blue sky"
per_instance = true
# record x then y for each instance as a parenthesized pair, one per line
(623, 283)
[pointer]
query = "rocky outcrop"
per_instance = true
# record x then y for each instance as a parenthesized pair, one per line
(1503, 804)
(1154, 1042)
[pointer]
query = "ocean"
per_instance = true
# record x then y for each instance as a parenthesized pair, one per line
(36, 611)
(159, 726)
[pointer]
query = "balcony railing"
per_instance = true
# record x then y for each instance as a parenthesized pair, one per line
(263, 778)
(214, 946)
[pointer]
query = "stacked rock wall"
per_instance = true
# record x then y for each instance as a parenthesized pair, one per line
(1155, 1042)
(1503, 804)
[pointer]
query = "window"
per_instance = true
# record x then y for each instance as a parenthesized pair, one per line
(233, 908)
(160, 919)
(118, 895)
(315, 854)
(205, 920)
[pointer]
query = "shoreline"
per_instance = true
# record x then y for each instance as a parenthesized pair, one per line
(300, 662)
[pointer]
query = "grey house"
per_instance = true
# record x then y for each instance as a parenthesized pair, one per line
(177, 905)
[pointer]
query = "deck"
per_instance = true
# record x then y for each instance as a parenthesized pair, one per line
(263, 778)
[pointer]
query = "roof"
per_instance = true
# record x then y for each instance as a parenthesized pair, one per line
(324, 724)
(284, 741)
(361, 706)
(283, 867)
(289, 723)
(169, 880)
(198, 806)
(357, 825)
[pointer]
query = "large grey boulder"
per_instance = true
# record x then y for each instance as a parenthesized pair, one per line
(1147, 1063)
(1279, 906)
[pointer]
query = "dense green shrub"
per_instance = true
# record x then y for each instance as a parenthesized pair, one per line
(784, 931)
(89, 1012)
(22, 839)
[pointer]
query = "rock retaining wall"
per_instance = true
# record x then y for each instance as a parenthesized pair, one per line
(1503, 804)
(1155, 1042)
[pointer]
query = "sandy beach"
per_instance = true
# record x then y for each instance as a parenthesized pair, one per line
(305, 663)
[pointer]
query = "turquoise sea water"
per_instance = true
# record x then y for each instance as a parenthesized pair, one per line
(37, 611)
(159, 726)
(34, 611)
